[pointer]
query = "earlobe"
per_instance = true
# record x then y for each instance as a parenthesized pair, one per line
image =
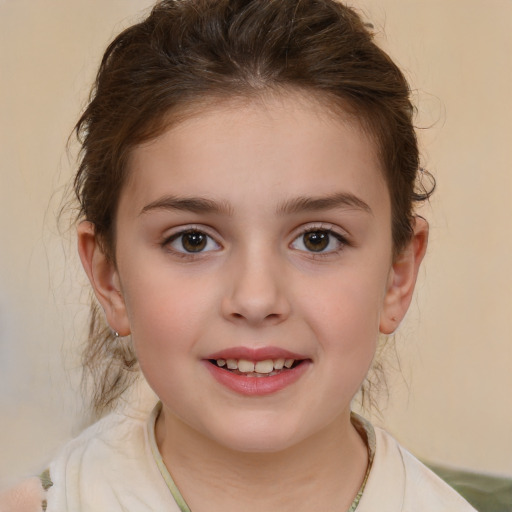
(402, 278)
(104, 278)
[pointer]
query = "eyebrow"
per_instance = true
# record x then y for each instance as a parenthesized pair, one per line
(190, 204)
(334, 201)
(296, 205)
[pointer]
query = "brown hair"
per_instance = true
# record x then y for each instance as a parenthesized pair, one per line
(189, 51)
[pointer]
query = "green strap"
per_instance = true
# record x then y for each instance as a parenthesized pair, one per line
(46, 482)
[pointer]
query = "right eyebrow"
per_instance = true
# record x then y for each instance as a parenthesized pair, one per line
(190, 204)
(333, 201)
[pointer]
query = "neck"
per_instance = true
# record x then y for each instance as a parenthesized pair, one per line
(323, 472)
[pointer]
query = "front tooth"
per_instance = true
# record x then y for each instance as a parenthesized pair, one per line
(245, 366)
(278, 364)
(264, 366)
(289, 362)
(221, 362)
(232, 364)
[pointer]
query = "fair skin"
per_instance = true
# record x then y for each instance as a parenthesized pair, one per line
(287, 254)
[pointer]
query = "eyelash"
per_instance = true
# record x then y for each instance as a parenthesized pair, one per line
(322, 230)
(167, 243)
(325, 231)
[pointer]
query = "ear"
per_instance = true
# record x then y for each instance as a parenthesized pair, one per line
(402, 278)
(104, 278)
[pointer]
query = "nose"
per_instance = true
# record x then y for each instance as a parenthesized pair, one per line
(256, 294)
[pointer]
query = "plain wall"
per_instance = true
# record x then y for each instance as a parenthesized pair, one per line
(450, 402)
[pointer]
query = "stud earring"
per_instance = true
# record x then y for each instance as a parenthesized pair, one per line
(117, 335)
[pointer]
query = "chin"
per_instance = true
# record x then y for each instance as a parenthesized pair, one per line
(258, 436)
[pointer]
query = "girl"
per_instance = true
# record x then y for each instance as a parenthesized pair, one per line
(247, 187)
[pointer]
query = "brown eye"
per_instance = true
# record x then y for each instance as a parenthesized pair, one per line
(323, 241)
(316, 241)
(192, 241)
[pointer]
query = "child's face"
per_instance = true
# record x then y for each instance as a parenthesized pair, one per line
(287, 254)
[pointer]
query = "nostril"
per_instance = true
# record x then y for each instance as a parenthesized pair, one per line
(255, 308)
(271, 316)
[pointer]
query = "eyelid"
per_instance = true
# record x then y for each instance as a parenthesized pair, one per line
(184, 228)
(321, 226)
(179, 231)
(333, 230)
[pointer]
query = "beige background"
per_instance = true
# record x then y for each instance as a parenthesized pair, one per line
(451, 403)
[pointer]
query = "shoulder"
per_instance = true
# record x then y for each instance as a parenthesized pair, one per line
(399, 482)
(109, 466)
(115, 434)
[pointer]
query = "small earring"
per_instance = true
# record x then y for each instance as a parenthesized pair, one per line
(117, 335)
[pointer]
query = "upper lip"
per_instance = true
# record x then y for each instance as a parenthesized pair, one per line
(255, 354)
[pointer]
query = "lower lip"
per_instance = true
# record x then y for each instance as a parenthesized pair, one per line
(257, 386)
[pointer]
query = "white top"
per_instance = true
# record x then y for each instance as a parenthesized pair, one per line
(112, 466)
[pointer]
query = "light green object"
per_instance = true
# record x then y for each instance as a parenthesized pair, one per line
(486, 493)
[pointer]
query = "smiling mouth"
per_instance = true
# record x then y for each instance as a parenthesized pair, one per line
(265, 368)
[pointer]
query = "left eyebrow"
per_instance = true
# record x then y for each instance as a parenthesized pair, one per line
(190, 204)
(340, 200)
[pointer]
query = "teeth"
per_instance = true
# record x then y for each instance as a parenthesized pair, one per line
(232, 364)
(278, 364)
(261, 367)
(245, 366)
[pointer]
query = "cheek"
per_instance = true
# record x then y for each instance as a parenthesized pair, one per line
(166, 315)
(164, 334)
(344, 296)
(344, 315)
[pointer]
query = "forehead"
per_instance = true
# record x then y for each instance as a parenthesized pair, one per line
(285, 142)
